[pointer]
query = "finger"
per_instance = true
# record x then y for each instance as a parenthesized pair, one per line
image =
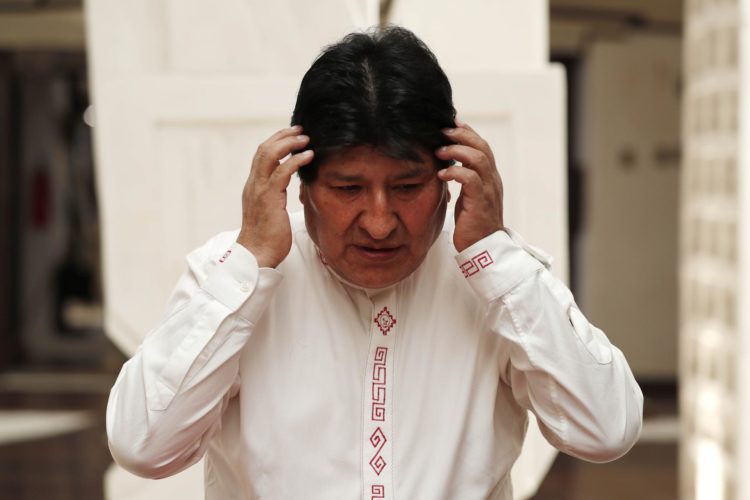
(470, 157)
(283, 174)
(467, 136)
(471, 182)
(285, 132)
(269, 154)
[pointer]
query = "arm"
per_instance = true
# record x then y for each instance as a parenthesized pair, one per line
(561, 367)
(168, 399)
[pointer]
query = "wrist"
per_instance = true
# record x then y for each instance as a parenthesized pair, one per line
(263, 259)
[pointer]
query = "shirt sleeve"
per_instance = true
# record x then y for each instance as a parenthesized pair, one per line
(562, 368)
(168, 399)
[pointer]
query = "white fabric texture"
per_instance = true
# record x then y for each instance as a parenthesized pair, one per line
(296, 384)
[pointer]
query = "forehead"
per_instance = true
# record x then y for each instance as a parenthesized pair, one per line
(368, 162)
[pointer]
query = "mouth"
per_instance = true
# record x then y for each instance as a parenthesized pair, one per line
(377, 254)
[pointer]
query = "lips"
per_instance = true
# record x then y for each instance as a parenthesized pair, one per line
(377, 254)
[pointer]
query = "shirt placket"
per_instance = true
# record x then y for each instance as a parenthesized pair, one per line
(377, 414)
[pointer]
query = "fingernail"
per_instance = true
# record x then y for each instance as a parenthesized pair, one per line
(302, 138)
(295, 128)
(449, 131)
(459, 122)
(307, 152)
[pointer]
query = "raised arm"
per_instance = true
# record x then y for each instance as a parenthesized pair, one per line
(560, 366)
(168, 399)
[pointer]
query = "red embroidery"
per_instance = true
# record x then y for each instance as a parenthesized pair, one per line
(377, 440)
(378, 384)
(385, 321)
(224, 257)
(378, 491)
(476, 264)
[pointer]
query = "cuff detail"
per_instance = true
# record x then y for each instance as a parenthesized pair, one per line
(235, 277)
(496, 264)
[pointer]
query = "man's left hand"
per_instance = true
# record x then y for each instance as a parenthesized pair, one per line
(479, 208)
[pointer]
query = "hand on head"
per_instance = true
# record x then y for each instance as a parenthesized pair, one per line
(266, 231)
(479, 208)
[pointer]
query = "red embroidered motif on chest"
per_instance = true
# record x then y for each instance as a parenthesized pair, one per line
(378, 384)
(377, 440)
(385, 321)
(378, 491)
(476, 264)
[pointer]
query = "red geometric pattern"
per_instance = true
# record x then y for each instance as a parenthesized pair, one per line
(476, 264)
(224, 257)
(385, 321)
(378, 384)
(378, 491)
(377, 440)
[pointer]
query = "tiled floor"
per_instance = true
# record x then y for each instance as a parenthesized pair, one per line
(70, 466)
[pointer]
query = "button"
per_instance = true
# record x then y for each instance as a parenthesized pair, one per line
(245, 287)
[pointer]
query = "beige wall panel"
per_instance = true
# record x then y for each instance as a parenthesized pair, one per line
(630, 151)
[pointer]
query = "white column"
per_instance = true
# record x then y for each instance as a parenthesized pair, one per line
(714, 263)
(743, 277)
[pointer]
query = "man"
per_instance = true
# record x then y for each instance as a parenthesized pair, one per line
(373, 349)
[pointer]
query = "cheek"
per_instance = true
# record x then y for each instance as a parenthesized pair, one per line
(332, 220)
(425, 216)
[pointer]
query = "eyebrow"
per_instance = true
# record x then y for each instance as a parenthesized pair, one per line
(409, 173)
(415, 171)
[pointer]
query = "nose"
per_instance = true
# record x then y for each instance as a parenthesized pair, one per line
(378, 218)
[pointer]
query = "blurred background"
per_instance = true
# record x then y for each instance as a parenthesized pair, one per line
(622, 131)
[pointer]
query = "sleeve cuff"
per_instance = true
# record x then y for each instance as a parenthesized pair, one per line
(236, 276)
(496, 264)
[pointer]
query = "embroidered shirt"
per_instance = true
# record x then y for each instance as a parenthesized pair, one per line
(296, 384)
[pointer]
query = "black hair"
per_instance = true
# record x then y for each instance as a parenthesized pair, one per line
(383, 88)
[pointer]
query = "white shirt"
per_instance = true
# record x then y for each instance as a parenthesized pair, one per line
(298, 385)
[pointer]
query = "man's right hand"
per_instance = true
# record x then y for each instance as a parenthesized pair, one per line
(266, 231)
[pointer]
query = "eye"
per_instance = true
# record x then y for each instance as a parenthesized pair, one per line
(407, 187)
(347, 188)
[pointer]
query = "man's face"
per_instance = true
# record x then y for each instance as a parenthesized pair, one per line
(372, 217)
